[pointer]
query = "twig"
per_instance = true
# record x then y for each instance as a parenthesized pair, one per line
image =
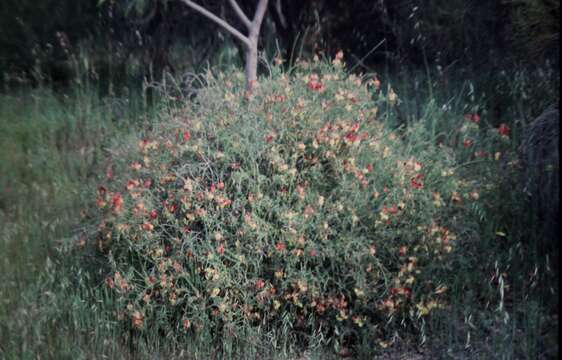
(222, 23)
(369, 53)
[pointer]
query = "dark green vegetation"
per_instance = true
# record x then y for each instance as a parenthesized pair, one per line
(468, 171)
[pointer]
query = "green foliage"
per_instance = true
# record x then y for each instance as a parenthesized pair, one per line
(537, 27)
(295, 210)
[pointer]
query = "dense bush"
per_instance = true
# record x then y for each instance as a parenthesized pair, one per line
(294, 210)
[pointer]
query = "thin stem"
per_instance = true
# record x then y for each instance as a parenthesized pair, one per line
(222, 23)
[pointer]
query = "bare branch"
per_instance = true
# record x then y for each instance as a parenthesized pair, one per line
(240, 13)
(222, 23)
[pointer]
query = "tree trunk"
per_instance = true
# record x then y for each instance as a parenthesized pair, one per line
(251, 69)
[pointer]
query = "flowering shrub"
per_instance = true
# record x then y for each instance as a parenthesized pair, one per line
(294, 207)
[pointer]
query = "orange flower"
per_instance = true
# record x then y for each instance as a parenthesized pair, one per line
(308, 211)
(137, 319)
(120, 282)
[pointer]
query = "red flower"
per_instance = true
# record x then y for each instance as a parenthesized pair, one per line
(260, 284)
(280, 246)
(117, 202)
(186, 135)
(351, 137)
(223, 202)
(355, 127)
(467, 143)
(417, 182)
(131, 184)
(314, 84)
(100, 202)
(406, 291)
(153, 214)
(101, 191)
(403, 250)
(475, 118)
(390, 210)
(370, 168)
(504, 130)
(147, 183)
(109, 173)
(269, 138)
(220, 249)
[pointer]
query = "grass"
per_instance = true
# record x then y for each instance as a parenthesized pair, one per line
(53, 304)
(53, 146)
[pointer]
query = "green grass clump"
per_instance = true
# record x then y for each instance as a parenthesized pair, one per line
(294, 211)
(53, 147)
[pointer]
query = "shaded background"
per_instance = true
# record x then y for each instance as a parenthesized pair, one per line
(39, 41)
